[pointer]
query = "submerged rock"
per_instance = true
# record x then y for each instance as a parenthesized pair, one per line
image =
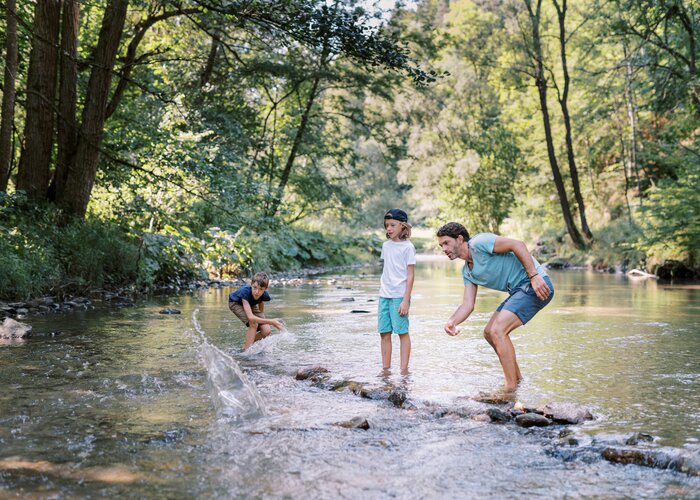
(354, 423)
(359, 311)
(170, 310)
(314, 373)
(398, 397)
(687, 462)
(532, 420)
(639, 437)
(12, 329)
(498, 416)
(350, 385)
(565, 413)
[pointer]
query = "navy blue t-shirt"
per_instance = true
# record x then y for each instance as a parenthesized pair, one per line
(246, 292)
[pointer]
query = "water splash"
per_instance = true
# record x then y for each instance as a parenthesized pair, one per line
(268, 343)
(235, 397)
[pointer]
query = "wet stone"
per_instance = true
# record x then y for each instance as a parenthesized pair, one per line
(314, 373)
(12, 329)
(347, 299)
(397, 397)
(647, 458)
(639, 437)
(498, 416)
(532, 420)
(354, 423)
(565, 413)
(170, 310)
(359, 311)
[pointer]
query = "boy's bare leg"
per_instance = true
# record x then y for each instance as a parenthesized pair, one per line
(265, 330)
(497, 333)
(405, 340)
(386, 349)
(250, 335)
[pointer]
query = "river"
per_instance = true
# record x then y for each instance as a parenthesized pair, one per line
(130, 402)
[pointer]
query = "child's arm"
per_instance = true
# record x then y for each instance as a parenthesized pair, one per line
(252, 318)
(463, 311)
(411, 271)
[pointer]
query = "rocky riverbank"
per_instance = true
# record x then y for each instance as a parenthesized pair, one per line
(557, 423)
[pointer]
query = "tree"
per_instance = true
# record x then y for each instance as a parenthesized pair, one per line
(35, 162)
(563, 99)
(79, 183)
(9, 91)
(542, 86)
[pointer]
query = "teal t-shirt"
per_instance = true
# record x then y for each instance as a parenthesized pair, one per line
(499, 271)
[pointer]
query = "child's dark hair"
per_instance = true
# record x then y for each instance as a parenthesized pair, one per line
(453, 229)
(261, 279)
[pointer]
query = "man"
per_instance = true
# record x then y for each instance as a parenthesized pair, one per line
(501, 264)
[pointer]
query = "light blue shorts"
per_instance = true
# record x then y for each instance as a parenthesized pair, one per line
(523, 302)
(389, 319)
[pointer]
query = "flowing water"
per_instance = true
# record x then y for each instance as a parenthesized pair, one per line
(133, 403)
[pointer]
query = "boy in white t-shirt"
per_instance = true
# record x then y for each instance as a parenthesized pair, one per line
(399, 256)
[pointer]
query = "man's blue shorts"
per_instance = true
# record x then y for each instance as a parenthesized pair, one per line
(389, 319)
(523, 302)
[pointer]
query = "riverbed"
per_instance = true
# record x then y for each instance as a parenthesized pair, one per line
(130, 402)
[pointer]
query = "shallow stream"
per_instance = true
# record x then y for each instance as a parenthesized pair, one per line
(135, 403)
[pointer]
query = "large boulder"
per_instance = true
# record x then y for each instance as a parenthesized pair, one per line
(11, 329)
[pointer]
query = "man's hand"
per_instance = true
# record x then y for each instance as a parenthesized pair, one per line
(540, 287)
(403, 308)
(451, 329)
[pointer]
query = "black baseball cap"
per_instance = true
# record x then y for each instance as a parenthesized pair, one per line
(396, 214)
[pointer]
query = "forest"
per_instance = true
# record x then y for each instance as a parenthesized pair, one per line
(157, 141)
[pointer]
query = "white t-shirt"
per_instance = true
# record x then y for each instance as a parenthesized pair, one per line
(397, 256)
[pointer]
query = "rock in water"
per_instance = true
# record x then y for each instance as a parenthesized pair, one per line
(565, 413)
(532, 420)
(314, 373)
(170, 310)
(11, 329)
(354, 423)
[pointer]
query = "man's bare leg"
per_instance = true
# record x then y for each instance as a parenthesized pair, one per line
(497, 333)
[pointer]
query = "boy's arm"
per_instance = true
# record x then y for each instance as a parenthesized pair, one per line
(252, 318)
(463, 311)
(403, 308)
(504, 245)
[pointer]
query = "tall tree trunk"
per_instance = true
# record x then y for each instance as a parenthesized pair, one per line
(67, 97)
(541, 82)
(81, 177)
(35, 162)
(564, 104)
(9, 91)
(299, 136)
(632, 119)
(211, 60)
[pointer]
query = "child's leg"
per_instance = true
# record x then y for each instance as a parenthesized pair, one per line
(250, 335)
(405, 351)
(386, 350)
(264, 331)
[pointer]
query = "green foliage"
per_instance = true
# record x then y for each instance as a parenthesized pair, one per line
(672, 222)
(40, 254)
(288, 249)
